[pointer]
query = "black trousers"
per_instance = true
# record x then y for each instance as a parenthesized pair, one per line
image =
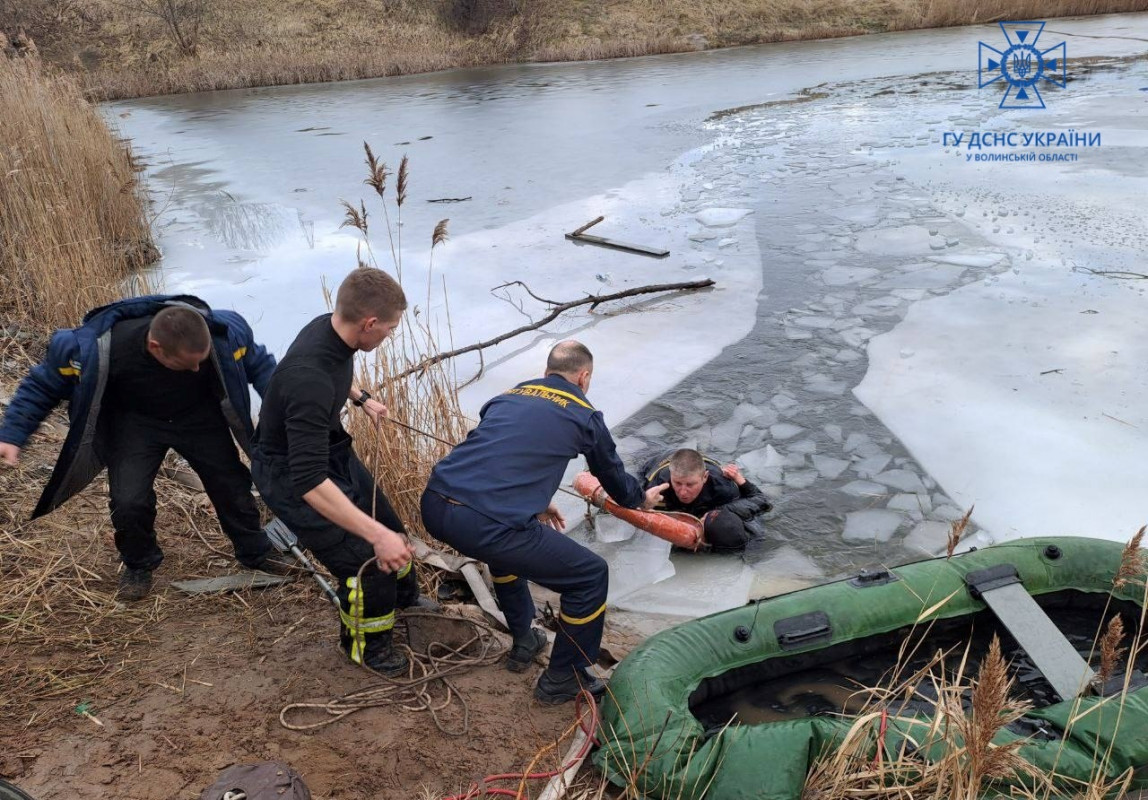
(536, 553)
(134, 448)
(367, 603)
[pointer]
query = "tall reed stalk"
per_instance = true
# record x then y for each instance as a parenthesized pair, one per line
(398, 451)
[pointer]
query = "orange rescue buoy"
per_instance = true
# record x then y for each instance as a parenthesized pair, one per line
(677, 527)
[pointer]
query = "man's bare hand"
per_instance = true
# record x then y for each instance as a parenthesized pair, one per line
(392, 551)
(9, 454)
(375, 410)
(553, 517)
(733, 472)
(654, 496)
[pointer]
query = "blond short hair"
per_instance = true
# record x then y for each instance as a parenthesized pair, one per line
(687, 462)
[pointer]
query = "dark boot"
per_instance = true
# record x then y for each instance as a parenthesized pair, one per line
(522, 654)
(423, 603)
(277, 564)
(382, 656)
(135, 584)
(553, 690)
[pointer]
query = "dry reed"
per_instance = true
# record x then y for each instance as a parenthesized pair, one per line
(398, 451)
(961, 757)
(264, 43)
(1133, 564)
(1110, 649)
(72, 221)
(72, 233)
(956, 531)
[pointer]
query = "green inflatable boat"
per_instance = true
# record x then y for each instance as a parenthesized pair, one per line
(741, 704)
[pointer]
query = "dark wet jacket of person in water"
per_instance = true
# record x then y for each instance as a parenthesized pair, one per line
(729, 510)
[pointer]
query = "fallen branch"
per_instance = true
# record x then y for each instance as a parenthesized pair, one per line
(1115, 273)
(593, 300)
(586, 227)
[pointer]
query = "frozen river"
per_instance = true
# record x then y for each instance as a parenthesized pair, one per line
(897, 334)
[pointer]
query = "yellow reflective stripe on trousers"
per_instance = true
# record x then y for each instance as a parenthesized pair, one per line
(370, 625)
(583, 620)
(402, 573)
(504, 579)
(352, 620)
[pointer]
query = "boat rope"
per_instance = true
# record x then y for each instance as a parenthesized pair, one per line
(428, 685)
(428, 675)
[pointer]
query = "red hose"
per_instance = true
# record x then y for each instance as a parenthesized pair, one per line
(479, 789)
(881, 736)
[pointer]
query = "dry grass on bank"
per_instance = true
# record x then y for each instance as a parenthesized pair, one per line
(63, 637)
(120, 50)
(72, 220)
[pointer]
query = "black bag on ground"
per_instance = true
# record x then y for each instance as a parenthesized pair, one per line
(269, 780)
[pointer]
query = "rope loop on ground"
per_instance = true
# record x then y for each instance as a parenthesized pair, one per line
(427, 686)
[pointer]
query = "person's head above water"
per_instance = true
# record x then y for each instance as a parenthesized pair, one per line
(573, 361)
(688, 474)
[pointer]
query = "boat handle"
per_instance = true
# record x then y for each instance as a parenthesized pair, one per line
(799, 631)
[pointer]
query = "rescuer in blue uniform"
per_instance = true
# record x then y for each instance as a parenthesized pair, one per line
(491, 499)
(142, 376)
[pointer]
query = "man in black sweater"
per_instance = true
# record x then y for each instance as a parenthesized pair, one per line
(309, 475)
(720, 495)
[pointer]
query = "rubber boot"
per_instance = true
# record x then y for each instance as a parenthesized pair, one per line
(554, 689)
(135, 584)
(381, 656)
(423, 603)
(277, 564)
(525, 649)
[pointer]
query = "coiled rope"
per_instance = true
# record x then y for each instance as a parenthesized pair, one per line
(427, 686)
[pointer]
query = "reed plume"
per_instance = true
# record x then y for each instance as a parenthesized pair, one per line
(401, 193)
(354, 218)
(956, 530)
(1110, 649)
(1132, 562)
(440, 234)
(376, 172)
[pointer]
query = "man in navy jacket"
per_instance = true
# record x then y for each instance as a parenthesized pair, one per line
(491, 499)
(143, 376)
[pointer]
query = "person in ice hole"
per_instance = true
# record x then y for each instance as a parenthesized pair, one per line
(721, 496)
